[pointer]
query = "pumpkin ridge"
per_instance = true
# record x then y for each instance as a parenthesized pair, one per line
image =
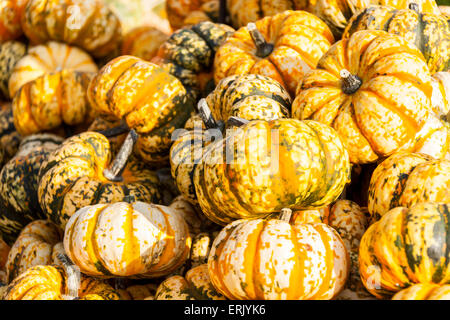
(93, 251)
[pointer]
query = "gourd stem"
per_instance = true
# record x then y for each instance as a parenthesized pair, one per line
(414, 6)
(285, 214)
(263, 48)
(73, 277)
(115, 131)
(236, 121)
(114, 172)
(207, 117)
(350, 83)
(222, 11)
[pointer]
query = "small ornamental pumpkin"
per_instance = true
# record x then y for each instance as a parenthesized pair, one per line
(157, 240)
(138, 292)
(189, 54)
(441, 94)
(309, 216)
(46, 59)
(11, 12)
(405, 247)
(424, 291)
(147, 98)
(4, 251)
(357, 89)
(405, 179)
(88, 24)
(274, 260)
(250, 97)
(195, 285)
(337, 14)
(283, 47)
(33, 247)
(10, 53)
(181, 13)
(434, 139)
(283, 163)
(143, 42)
(57, 283)
(244, 11)
(349, 220)
(80, 173)
(9, 137)
(429, 32)
(19, 184)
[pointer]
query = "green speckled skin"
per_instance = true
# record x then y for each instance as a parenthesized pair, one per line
(10, 53)
(9, 137)
(428, 32)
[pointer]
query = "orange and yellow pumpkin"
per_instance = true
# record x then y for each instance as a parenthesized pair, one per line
(424, 291)
(11, 12)
(143, 42)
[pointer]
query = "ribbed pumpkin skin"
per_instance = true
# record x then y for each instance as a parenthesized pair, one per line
(424, 291)
(9, 137)
(19, 184)
(10, 53)
(250, 97)
(406, 246)
(90, 25)
(181, 13)
(441, 95)
(49, 282)
(189, 54)
(273, 260)
(405, 179)
(33, 247)
(299, 40)
(11, 12)
(149, 99)
(72, 178)
(196, 285)
(145, 240)
(349, 221)
(51, 101)
(337, 14)
(143, 42)
(429, 32)
(277, 164)
(49, 58)
(245, 11)
(387, 111)
(309, 216)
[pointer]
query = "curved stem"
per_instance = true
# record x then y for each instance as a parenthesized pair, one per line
(263, 48)
(73, 277)
(114, 172)
(285, 214)
(236, 121)
(115, 131)
(207, 117)
(350, 83)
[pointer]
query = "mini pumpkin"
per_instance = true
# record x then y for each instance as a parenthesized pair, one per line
(80, 173)
(357, 89)
(10, 53)
(406, 246)
(57, 283)
(282, 163)
(181, 13)
(19, 184)
(283, 47)
(274, 260)
(195, 285)
(143, 42)
(189, 54)
(90, 25)
(9, 137)
(147, 98)
(11, 12)
(157, 240)
(424, 291)
(428, 31)
(33, 247)
(138, 292)
(405, 179)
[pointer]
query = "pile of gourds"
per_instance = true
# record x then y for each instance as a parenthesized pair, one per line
(278, 150)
